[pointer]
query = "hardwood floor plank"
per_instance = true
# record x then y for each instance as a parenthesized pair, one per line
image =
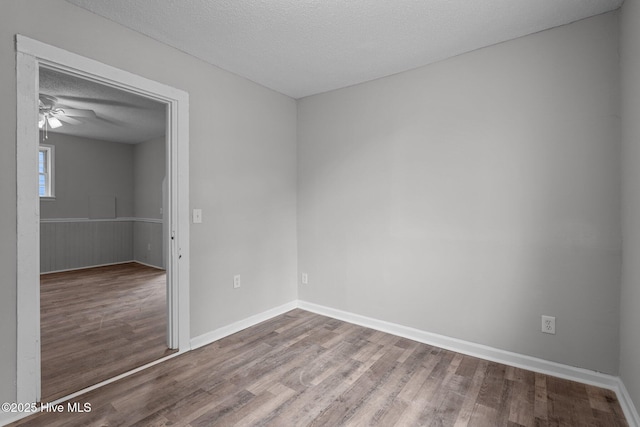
(412, 387)
(360, 391)
(384, 399)
(446, 398)
(303, 369)
(393, 413)
(491, 390)
(381, 399)
(279, 395)
(471, 395)
(522, 404)
(307, 405)
(98, 323)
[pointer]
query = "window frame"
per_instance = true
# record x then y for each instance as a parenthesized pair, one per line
(49, 172)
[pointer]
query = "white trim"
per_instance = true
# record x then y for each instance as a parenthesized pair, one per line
(453, 344)
(89, 266)
(151, 220)
(535, 364)
(103, 265)
(469, 348)
(28, 231)
(148, 265)
(117, 219)
(234, 327)
(11, 419)
(70, 62)
(629, 409)
(30, 56)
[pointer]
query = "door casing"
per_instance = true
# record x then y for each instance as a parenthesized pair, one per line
(30, 56)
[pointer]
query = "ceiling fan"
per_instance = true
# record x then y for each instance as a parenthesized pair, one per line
(53, 114)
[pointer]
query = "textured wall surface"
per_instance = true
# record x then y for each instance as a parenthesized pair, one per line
(472, 196)
(74, 234)
(149, 166)
(630, 293)
(242, 168)
(464, 198)
(85, 169)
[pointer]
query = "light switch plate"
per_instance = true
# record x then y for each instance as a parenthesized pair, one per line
(197, 216)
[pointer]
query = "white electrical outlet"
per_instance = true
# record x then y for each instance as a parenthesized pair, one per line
(236, 281)
(305, 279)
(549, 324)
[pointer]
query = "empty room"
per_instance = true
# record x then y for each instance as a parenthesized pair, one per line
(345, 213)
(103, 277)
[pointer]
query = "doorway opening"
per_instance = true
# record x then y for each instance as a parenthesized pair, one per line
(102, 170)
(32, 57)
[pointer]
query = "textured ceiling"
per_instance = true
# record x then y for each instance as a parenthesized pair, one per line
(304, 47)
(119, 116)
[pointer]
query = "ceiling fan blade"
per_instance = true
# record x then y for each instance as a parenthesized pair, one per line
(47, 100)
(78, 113)
(69, 120)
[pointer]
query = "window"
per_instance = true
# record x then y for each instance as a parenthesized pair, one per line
(45, 171)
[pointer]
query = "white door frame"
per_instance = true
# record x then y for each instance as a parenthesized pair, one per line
(30, 55)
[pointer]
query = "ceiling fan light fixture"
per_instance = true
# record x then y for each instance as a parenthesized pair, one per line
(51, 114)
(54, 123)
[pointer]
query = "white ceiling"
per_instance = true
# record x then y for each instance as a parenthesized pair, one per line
(304, 47)
(119, 116)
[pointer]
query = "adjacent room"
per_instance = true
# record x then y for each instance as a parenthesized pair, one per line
(103, 279)
(385, 213)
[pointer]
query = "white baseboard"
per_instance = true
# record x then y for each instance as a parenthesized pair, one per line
(472, 349)
(102, 265)
(8, 418)
(87, 267)
(629, 409)
(149, 265)
(489, 353)
(225, 331)
(117, 219)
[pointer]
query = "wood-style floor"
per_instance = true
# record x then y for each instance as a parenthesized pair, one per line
(303, 369)
(98, 323)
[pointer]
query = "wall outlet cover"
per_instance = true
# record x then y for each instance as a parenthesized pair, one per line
(548, 324)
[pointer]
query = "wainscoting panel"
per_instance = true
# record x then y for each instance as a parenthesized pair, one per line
(147, 242)
(71, 244)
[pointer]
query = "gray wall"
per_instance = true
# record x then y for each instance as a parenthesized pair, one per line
(630, 294)
(242, 168)
(86, 168)
(87, 172)
(471, 196)
(463, 198)
(149, 165)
